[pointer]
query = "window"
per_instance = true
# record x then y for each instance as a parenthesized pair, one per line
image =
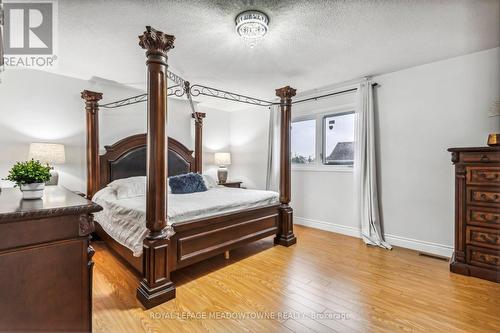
(338, 139)
(303, 141)
(323, 140)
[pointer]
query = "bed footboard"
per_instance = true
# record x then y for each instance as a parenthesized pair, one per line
(201, 239)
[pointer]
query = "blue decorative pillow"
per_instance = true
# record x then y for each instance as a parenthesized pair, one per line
(187, 183)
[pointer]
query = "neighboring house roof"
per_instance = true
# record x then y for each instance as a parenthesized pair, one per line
(343, 151)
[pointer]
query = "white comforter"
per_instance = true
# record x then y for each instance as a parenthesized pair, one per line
(125, 219)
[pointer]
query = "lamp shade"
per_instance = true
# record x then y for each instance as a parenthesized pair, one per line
(222, 158)
(47, 152)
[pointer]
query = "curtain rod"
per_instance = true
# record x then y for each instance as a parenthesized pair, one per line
(329, 94)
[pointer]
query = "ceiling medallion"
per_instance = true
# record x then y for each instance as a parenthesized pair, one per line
(252, 25)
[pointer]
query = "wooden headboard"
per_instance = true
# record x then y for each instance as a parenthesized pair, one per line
(128, 158)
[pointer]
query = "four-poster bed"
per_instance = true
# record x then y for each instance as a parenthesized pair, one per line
(153, 156)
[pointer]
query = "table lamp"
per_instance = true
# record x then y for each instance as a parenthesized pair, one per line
(51, 153)
(222, 160)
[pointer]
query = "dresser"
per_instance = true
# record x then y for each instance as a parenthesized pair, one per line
(477, 212)
(45, 261)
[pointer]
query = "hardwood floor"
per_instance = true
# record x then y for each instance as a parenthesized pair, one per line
(338, 283)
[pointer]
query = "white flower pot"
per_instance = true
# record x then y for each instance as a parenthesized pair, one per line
(32, 191)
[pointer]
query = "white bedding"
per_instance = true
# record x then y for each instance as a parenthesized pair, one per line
(125, 219)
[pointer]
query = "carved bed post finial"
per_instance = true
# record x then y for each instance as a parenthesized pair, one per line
(198, 140)
(154, 41)
(285, 94)
(156, 287)
(92, 118)
(285, 234)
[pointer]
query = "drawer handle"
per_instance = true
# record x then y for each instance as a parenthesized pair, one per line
(485, 158)
(488, 176)
(486, 218)
(490, 239)
(485, 197)
(487, 259)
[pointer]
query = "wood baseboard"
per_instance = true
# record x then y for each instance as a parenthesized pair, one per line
(408, 243)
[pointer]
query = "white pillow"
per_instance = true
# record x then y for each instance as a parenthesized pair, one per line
(209, 181)
(129, 187)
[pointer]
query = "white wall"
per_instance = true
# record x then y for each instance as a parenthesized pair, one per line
(249, 146)
(421, 112)
(37, 106)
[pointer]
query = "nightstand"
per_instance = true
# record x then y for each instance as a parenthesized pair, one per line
(232, 184)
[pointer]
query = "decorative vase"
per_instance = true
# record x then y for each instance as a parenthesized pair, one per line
(32, 191)
(222, 174)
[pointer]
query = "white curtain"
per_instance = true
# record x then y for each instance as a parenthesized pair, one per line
(365, 169)
(273, 160)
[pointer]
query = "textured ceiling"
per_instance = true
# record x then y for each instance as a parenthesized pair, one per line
(310, 43)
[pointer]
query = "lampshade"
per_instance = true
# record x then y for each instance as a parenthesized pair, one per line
(47, 152)
(222, 158)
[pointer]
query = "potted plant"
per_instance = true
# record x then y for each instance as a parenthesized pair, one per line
(30, 176)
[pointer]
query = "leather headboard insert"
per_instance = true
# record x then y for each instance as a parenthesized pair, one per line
(130, 164)
(128, 158)
(176, 164)
(133, 163)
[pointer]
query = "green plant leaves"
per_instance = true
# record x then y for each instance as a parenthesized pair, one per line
(29, 172)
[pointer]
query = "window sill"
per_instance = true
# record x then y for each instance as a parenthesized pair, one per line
(323, 168)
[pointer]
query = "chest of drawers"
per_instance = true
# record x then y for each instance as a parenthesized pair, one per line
(477, 212)
(45, 262)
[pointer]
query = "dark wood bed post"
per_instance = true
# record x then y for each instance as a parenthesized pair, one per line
(198, 140)
(156, 287)
(92, 115)
(285, 234)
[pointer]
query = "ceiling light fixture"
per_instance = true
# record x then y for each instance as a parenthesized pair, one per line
(252, 25)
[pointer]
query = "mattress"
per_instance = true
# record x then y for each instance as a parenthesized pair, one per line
(125, 219)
